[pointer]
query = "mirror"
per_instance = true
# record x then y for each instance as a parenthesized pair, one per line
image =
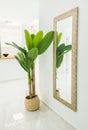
(65, 58)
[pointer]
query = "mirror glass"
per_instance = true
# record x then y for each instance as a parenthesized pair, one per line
(65, 58)
(63, 79)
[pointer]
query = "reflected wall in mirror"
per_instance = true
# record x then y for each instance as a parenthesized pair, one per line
(65, 58)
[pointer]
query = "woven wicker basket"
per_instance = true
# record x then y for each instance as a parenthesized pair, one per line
(32, 104)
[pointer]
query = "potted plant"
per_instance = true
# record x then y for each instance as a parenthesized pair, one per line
(36, 44)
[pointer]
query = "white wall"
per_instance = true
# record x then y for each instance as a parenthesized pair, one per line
(21, 10)
(48, 10)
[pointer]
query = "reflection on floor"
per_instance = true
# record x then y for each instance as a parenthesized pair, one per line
(13, 116)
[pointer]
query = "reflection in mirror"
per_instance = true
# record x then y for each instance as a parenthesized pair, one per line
(64, 53)
(64, 70)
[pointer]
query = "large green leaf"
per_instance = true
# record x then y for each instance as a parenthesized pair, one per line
(59, 61)
(32, 54)
(45, 43)
(17, 47)
(37, 39)
(32, 36)
(28, 39)
(68, 48)
(23, 59)
(58, 38)
(60, 49)
(21, 63)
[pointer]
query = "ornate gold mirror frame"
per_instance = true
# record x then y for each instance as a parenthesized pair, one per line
(73, 14)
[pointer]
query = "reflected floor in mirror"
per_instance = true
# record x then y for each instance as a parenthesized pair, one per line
(13, 116)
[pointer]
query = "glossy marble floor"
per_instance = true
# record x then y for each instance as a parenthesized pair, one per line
(13, 116)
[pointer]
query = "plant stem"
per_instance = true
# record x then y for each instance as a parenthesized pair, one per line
(33, 80)
(29, 85)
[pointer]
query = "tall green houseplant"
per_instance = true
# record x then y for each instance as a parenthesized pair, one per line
(36, 44)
